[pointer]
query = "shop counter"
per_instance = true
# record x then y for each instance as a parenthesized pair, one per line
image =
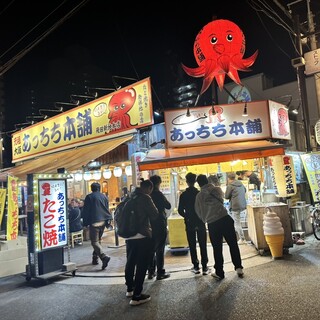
(255, 224)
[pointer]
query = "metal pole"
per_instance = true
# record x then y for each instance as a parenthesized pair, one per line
(302, 86)
(313, 45)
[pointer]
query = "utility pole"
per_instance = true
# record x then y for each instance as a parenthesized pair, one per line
(313, 45)
(302, 84)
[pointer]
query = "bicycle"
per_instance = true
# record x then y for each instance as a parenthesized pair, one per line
(315, 220)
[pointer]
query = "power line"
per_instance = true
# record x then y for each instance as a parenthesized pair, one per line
(8, 65)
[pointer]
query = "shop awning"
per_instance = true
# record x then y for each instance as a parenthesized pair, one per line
(178, 157)
(71, 159)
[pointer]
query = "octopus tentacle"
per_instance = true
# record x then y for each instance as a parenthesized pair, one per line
(234, 76)
(220, 80)
(194, 72)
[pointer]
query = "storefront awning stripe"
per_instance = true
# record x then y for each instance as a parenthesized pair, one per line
(177, 157)
(72, 159)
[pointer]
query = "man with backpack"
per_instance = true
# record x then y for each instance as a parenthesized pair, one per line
(139, 246)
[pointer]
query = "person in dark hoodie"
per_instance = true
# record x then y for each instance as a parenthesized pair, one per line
(236, 194)
(210, 209)
(96, 215)
(140, 246)
(195, 228)
(159, 231)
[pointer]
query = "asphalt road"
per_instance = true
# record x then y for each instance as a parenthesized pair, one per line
(285, 288)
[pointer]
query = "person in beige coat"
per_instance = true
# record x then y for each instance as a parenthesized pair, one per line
(210, 209)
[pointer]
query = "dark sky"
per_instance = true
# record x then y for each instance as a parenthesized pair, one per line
(103, 39)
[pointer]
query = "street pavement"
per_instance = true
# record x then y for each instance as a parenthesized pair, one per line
(284, 288)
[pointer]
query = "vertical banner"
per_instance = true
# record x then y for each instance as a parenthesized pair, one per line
(283, 175)
(136, 173)
(53, 213)
(3, 193)
(13, 209)
(311, 164)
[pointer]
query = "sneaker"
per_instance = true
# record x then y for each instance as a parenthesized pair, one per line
(105, 262)
(129, 294)
(205, 271)
(195, 270)
(142, 298)
(151, 275)
(240, 242)
(95, 260)
(239, 272)
(214, 275)
(163, 276)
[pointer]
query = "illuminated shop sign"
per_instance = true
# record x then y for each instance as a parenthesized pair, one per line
(226, 123)
(101, 119)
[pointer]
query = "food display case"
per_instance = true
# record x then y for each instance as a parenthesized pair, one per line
(255, 225)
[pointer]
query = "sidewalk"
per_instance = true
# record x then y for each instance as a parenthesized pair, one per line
(81, 255)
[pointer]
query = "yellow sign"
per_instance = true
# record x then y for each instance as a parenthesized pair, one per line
(283, 175)
(3, 193)
(102, 119)
(13, 209)
(311, 164)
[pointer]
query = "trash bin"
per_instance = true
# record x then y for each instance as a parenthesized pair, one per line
(300, 221)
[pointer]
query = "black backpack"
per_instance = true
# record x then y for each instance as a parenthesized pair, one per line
(125, 217)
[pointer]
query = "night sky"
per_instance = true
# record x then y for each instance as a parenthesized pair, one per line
(104, 39)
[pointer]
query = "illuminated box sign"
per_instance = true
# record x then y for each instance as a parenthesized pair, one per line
(106, 117)
(266, 119)
(53, 213)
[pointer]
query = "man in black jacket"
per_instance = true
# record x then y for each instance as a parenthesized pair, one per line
(159, 231)
(140, 246)
(195, 228)
(96, 215)
(253, 179)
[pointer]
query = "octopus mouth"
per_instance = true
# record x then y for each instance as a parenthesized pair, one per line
(219, 48)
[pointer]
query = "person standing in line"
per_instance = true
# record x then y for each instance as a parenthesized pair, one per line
(210, 209)
(97, 216)
(159, 231)
(253, 178)
(139, 247)
(195, 228)
(236, 194)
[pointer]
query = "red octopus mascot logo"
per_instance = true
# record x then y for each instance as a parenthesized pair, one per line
(119, 106)
(218, 50)
(282, 122)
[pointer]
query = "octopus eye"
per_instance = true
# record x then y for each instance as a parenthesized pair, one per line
(214, 40)
(229, 37)
(122, 106)
(116, 107)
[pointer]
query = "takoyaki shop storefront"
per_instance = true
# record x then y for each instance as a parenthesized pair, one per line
(221, 133)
